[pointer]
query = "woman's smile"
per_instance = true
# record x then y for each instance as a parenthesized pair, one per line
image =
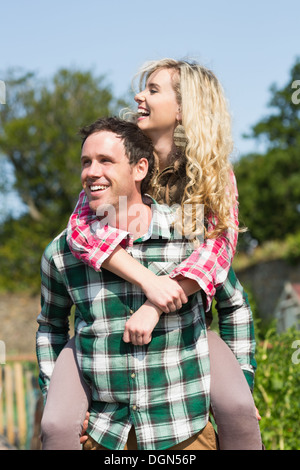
(142, 113)
(158, 110)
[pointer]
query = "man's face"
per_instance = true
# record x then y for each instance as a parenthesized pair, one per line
(106, 173)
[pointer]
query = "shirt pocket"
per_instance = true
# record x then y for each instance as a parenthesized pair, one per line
(161, 268)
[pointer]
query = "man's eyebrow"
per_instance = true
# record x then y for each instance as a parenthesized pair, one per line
(99, 155)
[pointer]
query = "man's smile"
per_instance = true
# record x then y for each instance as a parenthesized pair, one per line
(98, 187)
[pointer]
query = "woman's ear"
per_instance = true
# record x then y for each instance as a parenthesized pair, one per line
(179, 115)
(141, 169)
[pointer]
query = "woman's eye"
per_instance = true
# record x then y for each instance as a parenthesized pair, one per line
(152, 91)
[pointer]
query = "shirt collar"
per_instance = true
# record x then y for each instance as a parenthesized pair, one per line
(161, 221)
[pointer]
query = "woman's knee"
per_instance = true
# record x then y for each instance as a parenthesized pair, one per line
(58, 426)
(239, 405)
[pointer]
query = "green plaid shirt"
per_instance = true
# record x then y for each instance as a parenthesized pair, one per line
(162, 389)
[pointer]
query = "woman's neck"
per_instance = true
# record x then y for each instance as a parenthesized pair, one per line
(164, 148)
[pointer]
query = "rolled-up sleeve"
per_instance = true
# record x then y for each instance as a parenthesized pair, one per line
(88, 240)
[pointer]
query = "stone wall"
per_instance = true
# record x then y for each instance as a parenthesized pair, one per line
(266, 281)
(18, 313)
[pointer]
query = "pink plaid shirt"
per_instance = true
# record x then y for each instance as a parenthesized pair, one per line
(208, 264)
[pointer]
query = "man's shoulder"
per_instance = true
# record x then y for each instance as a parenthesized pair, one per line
(161, 212)
(162, 208)
(57, 247)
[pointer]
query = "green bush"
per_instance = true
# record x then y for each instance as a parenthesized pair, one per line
(276, 391)
(293, 248)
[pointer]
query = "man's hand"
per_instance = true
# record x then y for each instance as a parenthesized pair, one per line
(138, 329)
(165, 293)
(84, 437)
(162, 291)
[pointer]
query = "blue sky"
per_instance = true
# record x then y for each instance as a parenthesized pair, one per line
(249, 45)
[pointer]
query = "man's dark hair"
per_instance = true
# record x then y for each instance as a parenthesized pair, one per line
(136, 144)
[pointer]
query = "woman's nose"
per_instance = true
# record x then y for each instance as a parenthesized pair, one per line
(139, 97)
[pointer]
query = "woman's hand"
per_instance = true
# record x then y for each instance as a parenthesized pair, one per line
(139, 327)
(164, 292)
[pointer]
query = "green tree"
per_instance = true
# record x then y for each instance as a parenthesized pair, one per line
(269, 184)
(39, 137)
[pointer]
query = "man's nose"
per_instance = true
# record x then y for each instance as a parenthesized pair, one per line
(95, 170)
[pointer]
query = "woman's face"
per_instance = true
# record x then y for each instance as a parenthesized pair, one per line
(158, 110)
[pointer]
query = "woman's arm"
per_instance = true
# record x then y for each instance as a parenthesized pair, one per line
(87, 240)
(208, 265)
(106, 250)
(164, 292)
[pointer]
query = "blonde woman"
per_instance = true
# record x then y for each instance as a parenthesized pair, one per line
(182, 108)
(198, 171)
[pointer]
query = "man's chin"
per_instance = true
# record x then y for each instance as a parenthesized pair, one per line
(97, 206)
(104, 209)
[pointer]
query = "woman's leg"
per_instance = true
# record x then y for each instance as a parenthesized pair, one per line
(231, 399)
(67, 402)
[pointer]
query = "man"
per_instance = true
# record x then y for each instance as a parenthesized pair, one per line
(157, 394)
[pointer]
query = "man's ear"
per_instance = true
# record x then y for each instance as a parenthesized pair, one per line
(141, 169)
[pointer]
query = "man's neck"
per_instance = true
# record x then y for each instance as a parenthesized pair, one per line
(138, 219)
(133, 216)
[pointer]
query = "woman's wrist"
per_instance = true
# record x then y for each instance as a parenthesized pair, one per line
(154, 307)
(145, 279)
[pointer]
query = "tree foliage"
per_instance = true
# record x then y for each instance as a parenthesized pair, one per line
(269, 184)
(39, 137)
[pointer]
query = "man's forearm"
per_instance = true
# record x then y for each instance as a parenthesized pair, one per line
(139, 328)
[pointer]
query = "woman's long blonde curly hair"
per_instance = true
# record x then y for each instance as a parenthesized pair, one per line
(207, 125)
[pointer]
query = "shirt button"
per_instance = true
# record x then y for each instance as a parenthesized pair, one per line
(134, 407)
(132, 375)
(131, 311)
